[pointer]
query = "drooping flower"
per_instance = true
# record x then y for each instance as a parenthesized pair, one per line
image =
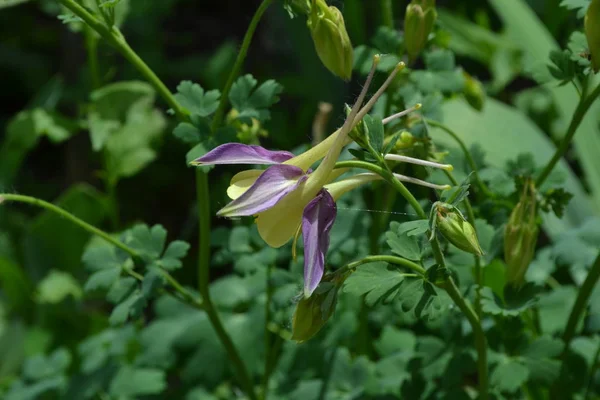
(288, 195)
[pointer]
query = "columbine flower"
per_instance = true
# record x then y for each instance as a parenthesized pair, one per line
(288, 195)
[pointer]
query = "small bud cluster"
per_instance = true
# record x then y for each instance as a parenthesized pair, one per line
(451, 223)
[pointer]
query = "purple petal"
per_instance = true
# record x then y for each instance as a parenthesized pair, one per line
(317, 221)
(270, 187)
(238, 153)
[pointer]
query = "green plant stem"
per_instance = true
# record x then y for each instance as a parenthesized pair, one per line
(91, 44)
(595, 366)
(114, 37)
(202, 196)
(478, 333)
(476, 258)
(581, 302)
(387, 13)
(585, 102)
(266, 375)
(403, 262)
(239, 62)
(65, 214)
(482, 186)
(185, 295)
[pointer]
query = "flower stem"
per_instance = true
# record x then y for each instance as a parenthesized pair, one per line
(387, 13)
(585, 102)
(65, 214)
(91, 44)
(581, 302)
(482, 186)
(449, 286)
(183, 293)
(403, 262)
(114, 37)
(237, 67)
(477, 258)
(203, 199)
(480, 342)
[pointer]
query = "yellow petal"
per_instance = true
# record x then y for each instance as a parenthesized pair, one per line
(278, 224)
(311, 156)
(242, 182)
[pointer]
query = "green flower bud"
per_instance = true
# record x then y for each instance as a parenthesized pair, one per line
(418, 23)
(592, 32)
(474, 92)
(326, 25)
(313, 312)
(520, 236)
(456, 229)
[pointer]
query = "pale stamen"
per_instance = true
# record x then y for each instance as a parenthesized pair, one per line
(417, 161)
(404, 178)
(401, 113)
(365, 110)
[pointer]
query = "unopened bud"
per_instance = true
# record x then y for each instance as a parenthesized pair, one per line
(456, 229)
(313, 312)
(592, 32)
(474, 92)
(418, 24)
(520, 236)
(328, 30)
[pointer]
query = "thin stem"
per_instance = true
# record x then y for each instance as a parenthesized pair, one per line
(581, 302)
(480, 342)
(477, 258)
(585, 103)
(387, 13)
(65, 214)
(202, 195)
(91, 44)
(388, 259)
(114, 37)
(237, 67)
(595, 366)
(186, 296)
(482, 186)
(266, 375)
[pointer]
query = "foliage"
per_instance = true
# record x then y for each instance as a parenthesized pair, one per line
(108, 292)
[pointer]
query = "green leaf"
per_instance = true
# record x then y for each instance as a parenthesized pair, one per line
(499, 181)
(579, 47)
(413, 228)
(562, 67)
(131, 306)
(402, 244)
(440, 60)
(515, 301)
(192, 97)
(251, 101)
(121, 289)
(175, 251)
(42, 367)
(57, 286)
(509, 376)
(539, 356)
(375, 132)
(580, 5)
(376, 281)
(395, 340)
(133, 381)
(148, 242)
(192, 134)
(555, 307)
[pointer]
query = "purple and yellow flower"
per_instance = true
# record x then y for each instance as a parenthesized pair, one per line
(288, 195)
